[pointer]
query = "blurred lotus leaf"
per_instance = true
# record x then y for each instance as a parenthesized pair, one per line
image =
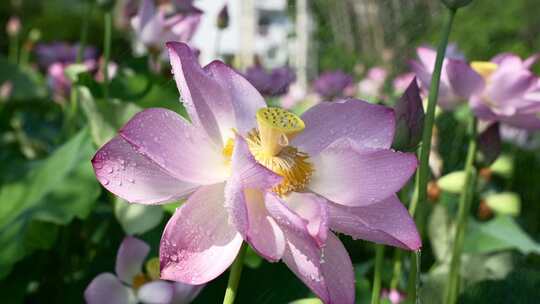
(55, 190)
(24, 83)
(441, 231)
(520, 286)
(105, 117)
(500, 233)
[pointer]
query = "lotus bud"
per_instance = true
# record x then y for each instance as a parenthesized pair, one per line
(409, 119)
(223, 18)
(13, 26)
(489, 143)
(455, 4)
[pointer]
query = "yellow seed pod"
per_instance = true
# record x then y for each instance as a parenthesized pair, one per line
(152, 268)
(276, 128)
(484, 68)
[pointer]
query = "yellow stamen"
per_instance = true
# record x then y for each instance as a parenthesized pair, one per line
(228, 149)
(139, 280)
(484, 68)
(152, 268)
(276, 128)
(291, 164)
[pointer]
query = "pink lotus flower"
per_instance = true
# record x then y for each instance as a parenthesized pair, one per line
(131, 285)
(13, 26)
(153, 25)
(58, 81)
(261, 175)
(334, 84)
(453, 88)
(273, 82)
(504, 90)
(393, 295)
(373, 83)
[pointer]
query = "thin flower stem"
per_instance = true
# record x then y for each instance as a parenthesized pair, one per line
(452, 288)
(13, 55)
(234, 276)
(71, 116)
(396, 272)
(107, 53)
(422, 175)
(412, 288)
(84, 31)
(379, 257)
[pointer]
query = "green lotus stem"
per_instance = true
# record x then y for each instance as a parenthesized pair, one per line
(234, 276)
(422, 176)
(74, 93)
(452, 288)
(13, 55)
(396, 271)
(107, 53)
(412, 287)
(84, 31)
(379, 257)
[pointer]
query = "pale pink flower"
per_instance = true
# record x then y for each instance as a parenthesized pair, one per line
(264, 176)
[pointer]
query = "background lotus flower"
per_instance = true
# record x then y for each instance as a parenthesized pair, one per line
(334, 84)
(62, 52)
(131, 285)
(297, 96)
(525, 139)
(505, 90)
(373, 82)
(153, 26)
(275, 82)
(516, 60)
(58, 81)
(250, 196)
(13, 26)
(393, 295)
(455, 86)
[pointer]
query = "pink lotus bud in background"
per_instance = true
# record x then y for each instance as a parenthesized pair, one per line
(223, 18)
(5, 90)
(13, 26)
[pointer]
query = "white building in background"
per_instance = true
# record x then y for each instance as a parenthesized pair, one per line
(256, 27)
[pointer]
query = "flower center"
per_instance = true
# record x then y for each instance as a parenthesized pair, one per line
(270, 147)
(269, 144)
(152, 274)
(484, 68)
